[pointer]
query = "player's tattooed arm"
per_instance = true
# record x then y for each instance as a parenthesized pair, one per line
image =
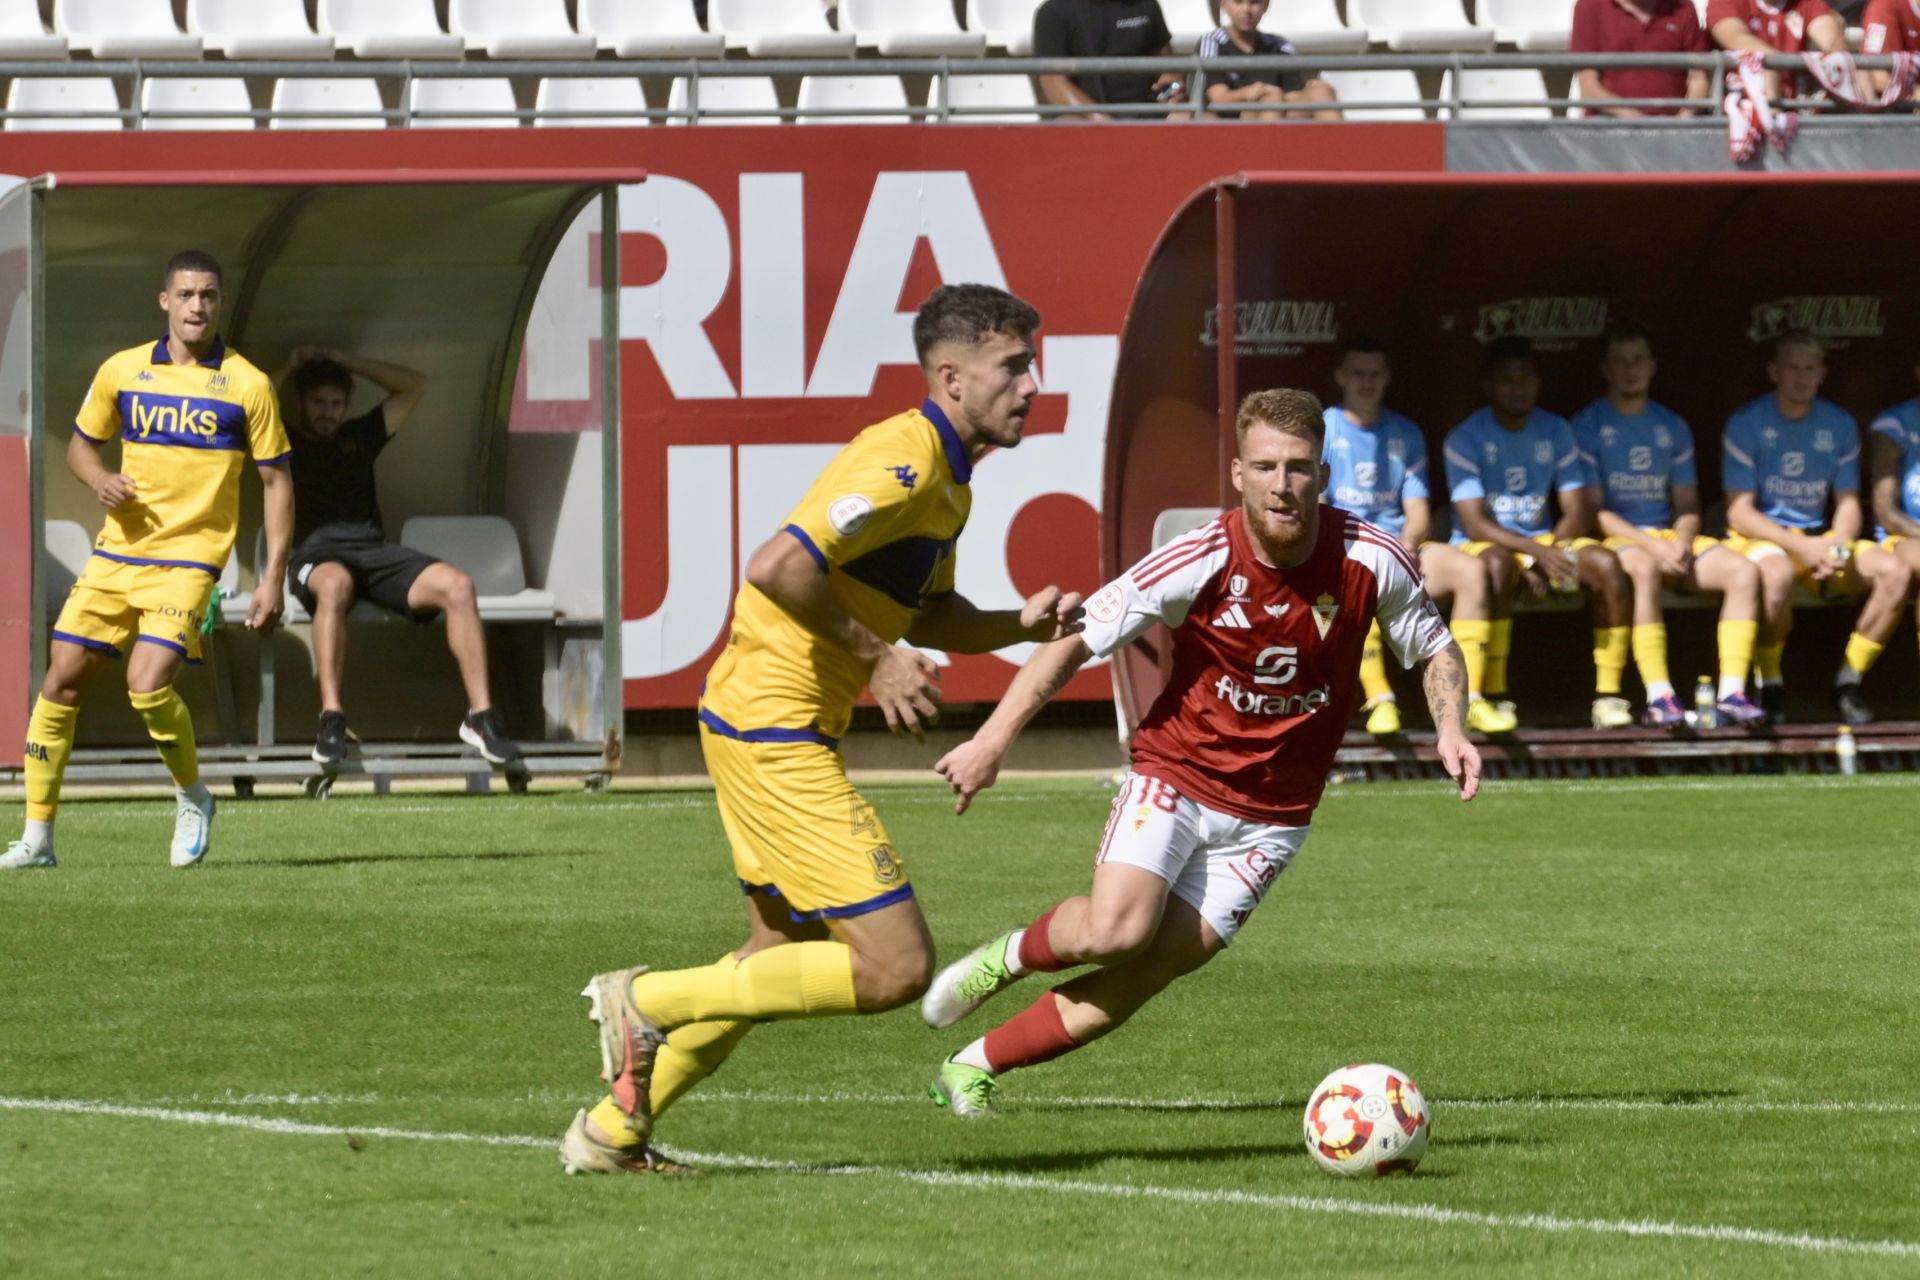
(1445, 680)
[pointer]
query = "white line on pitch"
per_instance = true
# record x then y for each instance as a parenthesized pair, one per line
(1436, 1214)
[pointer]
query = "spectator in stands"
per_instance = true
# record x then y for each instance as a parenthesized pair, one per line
(1648, 26)
(1890, 26)
(341, 552)
(1104, 29)
(1894, 452)
(1239, 35)
(1646, 489)
(1792, 26)
(1505, 467)
(1790, 466)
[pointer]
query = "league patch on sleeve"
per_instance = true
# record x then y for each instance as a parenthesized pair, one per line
(847, 514)
(1107, 604)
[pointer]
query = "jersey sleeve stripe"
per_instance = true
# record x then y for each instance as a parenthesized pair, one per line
(1733, 451)
(1361, 530)
(1167, 569)
(1845, 458)
(1205, 532)
(1687, 456)
(1889, 425)
(1393, 549)
(1463, 462)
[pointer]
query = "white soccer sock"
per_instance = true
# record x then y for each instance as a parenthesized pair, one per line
(974, 1055)
(1845, 675)
(1730, 685)
(197, 793)
(1012, 953)
(1658, 689)
(38, 834)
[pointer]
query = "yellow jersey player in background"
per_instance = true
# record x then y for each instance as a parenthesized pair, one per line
(866, 560)
(186, 411)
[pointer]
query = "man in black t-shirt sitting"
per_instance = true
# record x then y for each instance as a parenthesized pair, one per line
(340, 549)
(1104, 29)
(1238, 36)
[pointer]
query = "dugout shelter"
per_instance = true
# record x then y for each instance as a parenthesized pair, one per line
(436, 268)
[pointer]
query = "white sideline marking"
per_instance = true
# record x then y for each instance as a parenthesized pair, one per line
(1437, 1214)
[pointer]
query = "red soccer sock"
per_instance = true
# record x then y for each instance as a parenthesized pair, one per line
(1036, 950)
(1036, 1034)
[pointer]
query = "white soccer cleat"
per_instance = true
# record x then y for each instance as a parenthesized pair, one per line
(1612, 713)
(20, 856)
(192, 830)
(968, 983)
(581, 1152)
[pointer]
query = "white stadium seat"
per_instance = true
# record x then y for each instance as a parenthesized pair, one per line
(350, 103)
(387, 29)
(612, 102)
(1188, 20)
(63, 93)
(727, 93)
(1377, 86)
(518, 29)
(172, 94)
(649, 29)
(778, 28)
(68, 550)
(257, 29)
(1536, 26)
(909, 29)
(488, 94)
(1007, 24)
(1413, 25)
(830, 94)
(1314, 26)
(1497, 86)
(1012, 95)
(22, 35)
(488, 549)
(123, 28)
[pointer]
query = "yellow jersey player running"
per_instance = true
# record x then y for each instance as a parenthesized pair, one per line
(865, 560)
(186, 411)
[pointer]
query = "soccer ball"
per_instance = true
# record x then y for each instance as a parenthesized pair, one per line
(1367, 1120)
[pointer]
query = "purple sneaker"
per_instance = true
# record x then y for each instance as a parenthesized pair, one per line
(1664, 712)
(1738, 709)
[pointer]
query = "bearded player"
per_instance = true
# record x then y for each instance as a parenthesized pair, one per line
(1269, 606)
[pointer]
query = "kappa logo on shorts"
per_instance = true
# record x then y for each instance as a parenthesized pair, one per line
(886, 868)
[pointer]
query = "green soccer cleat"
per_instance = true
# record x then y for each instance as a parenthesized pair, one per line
(968, 983)
(964, 1090)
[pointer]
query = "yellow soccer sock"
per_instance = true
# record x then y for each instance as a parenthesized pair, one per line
(171, 728)
(612, 1121)
(690, 1055)
(49, 743)
(1766, 661)
(1609, 659)
(1499, 644)
(1650, 653)
(1471, 635)
(1862, 653)
(1736, 640)
(796, 980)
(1373, 666)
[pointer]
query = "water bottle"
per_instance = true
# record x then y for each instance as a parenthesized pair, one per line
(1846, 751)
(1704, 715)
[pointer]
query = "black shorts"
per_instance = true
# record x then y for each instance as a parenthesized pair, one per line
(383, 571)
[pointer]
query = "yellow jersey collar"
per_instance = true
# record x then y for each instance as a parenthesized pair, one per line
(211, 360)
(949, 440)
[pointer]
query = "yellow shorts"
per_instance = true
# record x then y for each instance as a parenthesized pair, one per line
(1701, 542)
(1526, 561)
(115, 605)
(799, 830)
(1847, 582)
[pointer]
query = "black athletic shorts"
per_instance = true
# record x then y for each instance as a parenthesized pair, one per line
(383, 571)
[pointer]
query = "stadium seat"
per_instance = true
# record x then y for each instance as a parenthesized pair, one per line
(257, 29)
(727, 93)
(1414, 25)
(1496, 86)
(63, 94)
(518, 29)
(1178, 522)
(649, 29)
(1007, 24)
(1536, 26)
(123, 28)
(22, 35)
(1377, 86)
(387, 29)
(488, 94)
(68, 549)
(349, 103)
(1314, 26)
(909, 29)
(830, 95)
(489, 550)
(1188, 20)
(173, 94)
(1015, 93)
(778, 28)
(613, 101)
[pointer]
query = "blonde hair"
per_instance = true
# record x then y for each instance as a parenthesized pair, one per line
(1290, 412)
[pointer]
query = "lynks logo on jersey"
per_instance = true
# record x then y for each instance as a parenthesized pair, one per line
(1249, 703)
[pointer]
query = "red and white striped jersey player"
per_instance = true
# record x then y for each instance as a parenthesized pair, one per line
(1268, 607)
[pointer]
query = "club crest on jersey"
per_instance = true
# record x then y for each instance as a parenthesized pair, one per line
(886, 868)
(1324, 610)
(218, 382)
(1235, 618)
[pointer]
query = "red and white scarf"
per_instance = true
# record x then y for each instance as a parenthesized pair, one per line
(1751, 120)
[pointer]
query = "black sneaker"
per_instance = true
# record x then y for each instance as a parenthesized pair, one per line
(1773, 701)
(1852, 707)
(481, 731)
(330, 747)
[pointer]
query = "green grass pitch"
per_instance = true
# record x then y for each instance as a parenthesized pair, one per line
(1667, 1028)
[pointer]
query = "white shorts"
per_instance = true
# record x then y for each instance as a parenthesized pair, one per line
(1219, 865)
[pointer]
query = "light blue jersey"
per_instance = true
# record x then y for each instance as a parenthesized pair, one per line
(1792, 469)
(1901, 424)
(1636, 458)
(1374, 469)
(1516, 472)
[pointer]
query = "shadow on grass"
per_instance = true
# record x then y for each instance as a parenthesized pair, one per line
(363, 859)
(1072, 1161)
(1171, 1106)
